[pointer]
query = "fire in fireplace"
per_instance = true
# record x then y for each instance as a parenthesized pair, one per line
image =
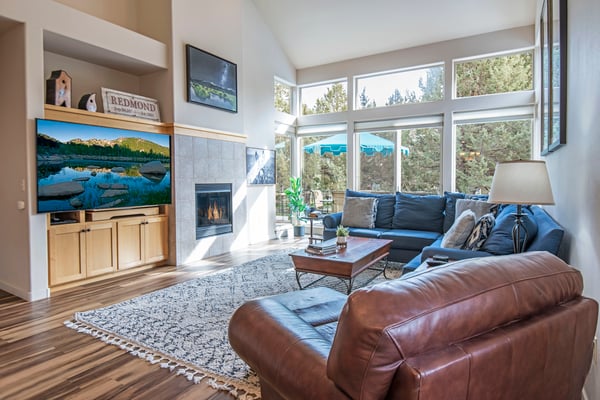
(213, 209)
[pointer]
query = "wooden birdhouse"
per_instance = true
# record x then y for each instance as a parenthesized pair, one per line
(88, 102)
(58, 89)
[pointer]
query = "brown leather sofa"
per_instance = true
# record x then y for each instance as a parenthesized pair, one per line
(508, 327)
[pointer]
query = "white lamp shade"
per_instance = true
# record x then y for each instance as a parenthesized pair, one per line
(521, 182)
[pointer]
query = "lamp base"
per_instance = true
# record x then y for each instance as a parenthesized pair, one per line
(519, 231)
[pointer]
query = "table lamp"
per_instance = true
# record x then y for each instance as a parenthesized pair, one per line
(521, 182)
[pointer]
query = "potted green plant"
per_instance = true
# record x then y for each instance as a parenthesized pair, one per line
(296, 204)
(342, 234)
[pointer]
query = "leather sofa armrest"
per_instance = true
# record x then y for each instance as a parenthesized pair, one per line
(285, 351)
(330, 224)
(332, 220)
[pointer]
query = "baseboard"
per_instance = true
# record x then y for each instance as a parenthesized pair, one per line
(25, 295)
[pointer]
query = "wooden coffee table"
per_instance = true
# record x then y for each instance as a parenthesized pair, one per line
(359, 255)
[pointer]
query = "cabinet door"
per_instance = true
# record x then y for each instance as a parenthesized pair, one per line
(66, 252)
(130, 240)
(156, 239)
(101, 248)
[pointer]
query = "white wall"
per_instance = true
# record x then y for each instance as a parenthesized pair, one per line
(14, 262)
(216, 27)
(574, 168)
(263, 59)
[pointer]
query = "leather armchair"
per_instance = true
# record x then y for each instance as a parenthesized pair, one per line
(507, 327)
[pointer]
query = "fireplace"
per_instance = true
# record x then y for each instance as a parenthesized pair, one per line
(213, 209)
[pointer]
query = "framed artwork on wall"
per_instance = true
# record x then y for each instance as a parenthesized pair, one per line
(211, 80)
(260, 166)
(553, 72)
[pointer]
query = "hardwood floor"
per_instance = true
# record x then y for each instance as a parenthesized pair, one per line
(42, 359)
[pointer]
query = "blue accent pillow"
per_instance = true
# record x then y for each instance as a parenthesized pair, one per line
(500, 241)
(385, 207)
(450, 209)
(423, 213)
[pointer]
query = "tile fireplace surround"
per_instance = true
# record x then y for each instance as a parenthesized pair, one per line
(200, 160)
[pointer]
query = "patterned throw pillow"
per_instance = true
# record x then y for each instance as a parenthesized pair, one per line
(480, 232)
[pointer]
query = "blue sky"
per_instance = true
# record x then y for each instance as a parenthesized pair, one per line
(65, 131)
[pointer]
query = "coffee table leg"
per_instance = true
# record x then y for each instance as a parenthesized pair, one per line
(385, 267)
(298, 274)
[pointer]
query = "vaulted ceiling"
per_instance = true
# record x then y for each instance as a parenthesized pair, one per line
(316, 32)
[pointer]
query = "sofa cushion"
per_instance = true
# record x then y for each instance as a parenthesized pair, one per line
(479, 207)
(480, 232)
(500, 240)
(450, 208)
(424, 213)
(359, 212)
(385, 206)
(460, 231)
(409, 239)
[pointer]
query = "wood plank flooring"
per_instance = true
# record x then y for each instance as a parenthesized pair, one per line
(42, 359)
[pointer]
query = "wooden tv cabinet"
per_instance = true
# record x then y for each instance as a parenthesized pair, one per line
(92, 245)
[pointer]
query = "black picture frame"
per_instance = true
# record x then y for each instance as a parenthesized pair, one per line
(553, 72)
(211, 80)
(260, 166)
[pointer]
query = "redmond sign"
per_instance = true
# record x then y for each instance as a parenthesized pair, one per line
(122, 103)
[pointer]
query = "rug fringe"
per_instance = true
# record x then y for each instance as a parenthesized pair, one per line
(240, 390)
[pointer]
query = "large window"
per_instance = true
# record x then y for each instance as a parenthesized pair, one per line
(324, 98)
(282, 97)
(400, 87)
(283, 168)
(324, 165)
(417, 130)
(419, 160)
(492, 75)
(479, 146)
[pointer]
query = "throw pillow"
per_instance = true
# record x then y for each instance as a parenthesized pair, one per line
(359, 212)
(423, 213)
(460, 231)
(500, 241)
(480, 208)
(480, 232)
(385, 206)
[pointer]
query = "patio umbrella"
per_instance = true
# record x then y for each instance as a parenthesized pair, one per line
(369, 144)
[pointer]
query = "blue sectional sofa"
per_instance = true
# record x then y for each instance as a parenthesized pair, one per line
(417, 225)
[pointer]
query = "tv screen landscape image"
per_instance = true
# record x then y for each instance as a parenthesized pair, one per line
(86, 167)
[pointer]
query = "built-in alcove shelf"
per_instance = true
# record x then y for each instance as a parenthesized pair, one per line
(138, 124)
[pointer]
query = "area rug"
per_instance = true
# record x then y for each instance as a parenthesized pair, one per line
(184, 327)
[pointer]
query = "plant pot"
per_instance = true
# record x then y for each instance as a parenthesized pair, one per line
(342, 241)
(299, 230)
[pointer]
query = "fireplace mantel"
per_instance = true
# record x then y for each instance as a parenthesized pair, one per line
(189, 130)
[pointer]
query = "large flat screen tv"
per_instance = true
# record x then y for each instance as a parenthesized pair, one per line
(86, 167)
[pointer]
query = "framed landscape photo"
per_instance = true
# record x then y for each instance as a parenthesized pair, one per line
(260, 166)
(553, 72)
(211, 80)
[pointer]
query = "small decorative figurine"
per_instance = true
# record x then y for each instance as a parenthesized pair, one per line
(88, 102)
(58, 89)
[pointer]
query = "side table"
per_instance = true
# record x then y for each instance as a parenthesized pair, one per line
(312, 238)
